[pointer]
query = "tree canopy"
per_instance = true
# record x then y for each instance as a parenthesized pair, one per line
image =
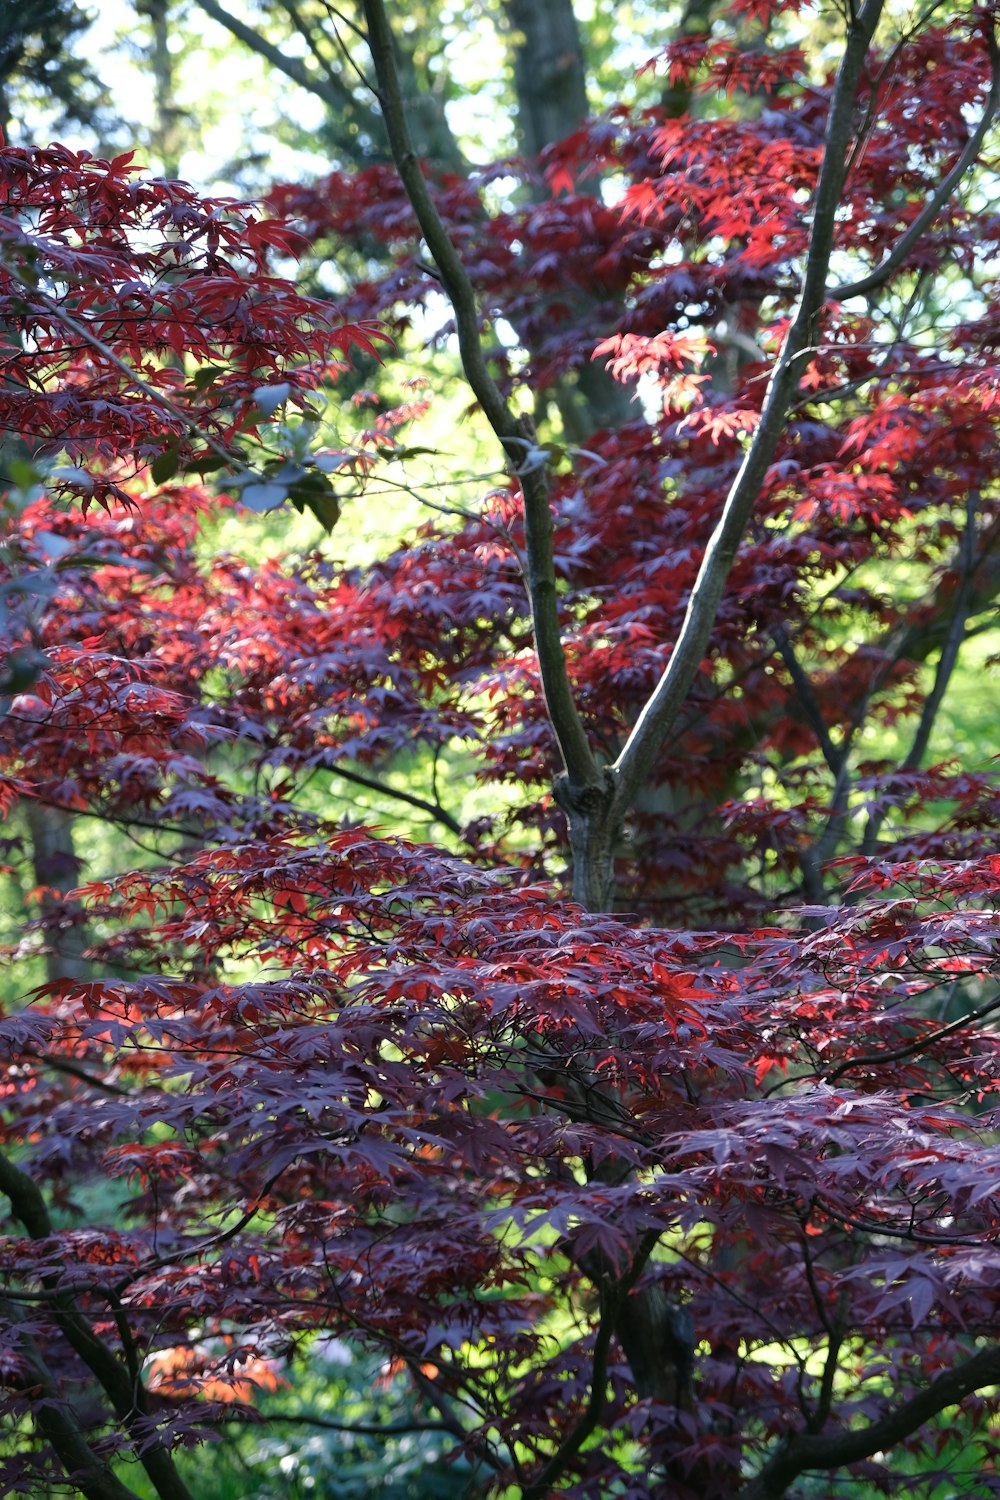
(556, 959)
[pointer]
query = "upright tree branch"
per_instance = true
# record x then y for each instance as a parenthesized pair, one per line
(833, 756)
(947, 662)
(612, 1292)
(660, 713)
(55, 1421)
(515, 434)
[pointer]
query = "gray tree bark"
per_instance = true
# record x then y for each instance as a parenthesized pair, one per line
(56, 868)
(166, 134)
(549, 71)
(550, 81)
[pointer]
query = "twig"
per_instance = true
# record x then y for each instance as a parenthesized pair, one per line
(335, 16)
(939, 197)
(367, 1429)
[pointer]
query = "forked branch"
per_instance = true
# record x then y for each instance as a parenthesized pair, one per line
(124, 1391)
(56, 1421)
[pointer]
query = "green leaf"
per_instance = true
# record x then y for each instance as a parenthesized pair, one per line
(165, 466)
(23, 473)
(267, 398)
(205, 463)
(207, 375)
(315, 492)
(398, 455)
(326, 509)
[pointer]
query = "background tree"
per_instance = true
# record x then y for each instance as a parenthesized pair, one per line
(39, 63)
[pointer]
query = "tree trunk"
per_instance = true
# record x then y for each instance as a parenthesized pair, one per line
(166, 134)
(549, 73)
(593, 834)
(56, 868)
(550, 81)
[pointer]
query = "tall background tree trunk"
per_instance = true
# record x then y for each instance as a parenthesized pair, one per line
(56, 866)
(166, 134)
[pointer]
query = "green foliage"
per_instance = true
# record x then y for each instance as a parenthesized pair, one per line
(42, 65)
(290, 1458)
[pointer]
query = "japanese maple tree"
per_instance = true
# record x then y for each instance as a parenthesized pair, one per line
(686, 1187)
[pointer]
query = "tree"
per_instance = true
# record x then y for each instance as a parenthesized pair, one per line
(549, 1161)
(37, 60)
(871, 393)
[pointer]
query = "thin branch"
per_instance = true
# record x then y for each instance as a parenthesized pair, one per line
(515, 434)
(60, 1065)
(345, 20)
(824, 846)
(366, 1429)
(725, 1289)
(945, 667)
(335, 16)
(835, 1336)
(903, 41)
(659, 716)
(574, 1440)
(306, 32)
(887, 353)
(810, 704)
(953, 641)
(436, 811)
(939, 197)
(909, 1235)
(331, 90)
(197, 1251)
(912, 1049)
(120, 820)
(442, 1403)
